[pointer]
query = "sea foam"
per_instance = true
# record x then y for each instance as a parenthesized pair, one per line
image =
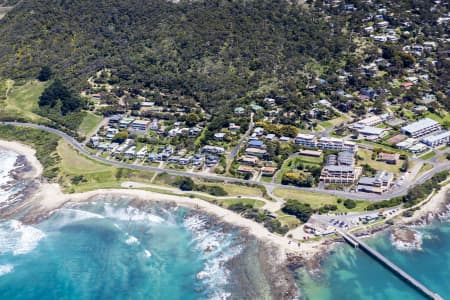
(5, 269)
(18, 238)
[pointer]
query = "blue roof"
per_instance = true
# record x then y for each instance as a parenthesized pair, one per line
(255, 143)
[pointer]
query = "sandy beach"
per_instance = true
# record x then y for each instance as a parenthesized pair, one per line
(26, 151)
(50, 197)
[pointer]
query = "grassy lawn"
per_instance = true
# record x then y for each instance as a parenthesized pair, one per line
(317, 200)
(288, 220)
(23, 100)
(425, 168)
(428, 155)
(378, 165)
(95, 175)
(255, 203)
(293, 162)
(89, 124)
(240, 190)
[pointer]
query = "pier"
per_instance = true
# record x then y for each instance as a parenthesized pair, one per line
(357, 243)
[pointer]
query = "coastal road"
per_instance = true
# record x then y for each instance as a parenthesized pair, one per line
(394, 192)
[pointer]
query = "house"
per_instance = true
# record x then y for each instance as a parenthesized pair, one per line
(245, 169)
(184, 161)
(94, 141)
(428, 98)
(125, 122)
(213, 150)
(234, 127)
(130, 153)
(259, 131)
(372, 133)
(219, 136)
(198, 160)
(406, 143)
(307, 140)
(441, 138)
(418, 148)
(268, 171)
(212, 160)
(420, 128)
(407, 85)
(389, 158)
(194, 131)
(114, 120)
(147, 104)
(141, 153)
(154, 125)
(382, 181)
(285, 139)
(112, 147)
(255, 152)
(270, 137)
(239, 111)
(256, 144)
(420, 109)
(269, 101)
(340, 174)
(110, 133)
(140, 125)
(256, 108)
(249, 160)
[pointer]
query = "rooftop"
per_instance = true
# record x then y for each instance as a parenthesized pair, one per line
(419, 125)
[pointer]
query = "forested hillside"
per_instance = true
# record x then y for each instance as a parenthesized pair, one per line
(210, 50)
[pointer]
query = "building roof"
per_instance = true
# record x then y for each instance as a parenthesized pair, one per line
(347, 169)
(305, 136)
(419, 125)
(255, 143)
(369, 130)
(436, 137)
(141, 122)
(388, 156)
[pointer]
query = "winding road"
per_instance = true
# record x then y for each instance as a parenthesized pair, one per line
(394, 192)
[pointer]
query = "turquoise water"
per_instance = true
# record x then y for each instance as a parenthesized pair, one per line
(351, 274)
(114, 251)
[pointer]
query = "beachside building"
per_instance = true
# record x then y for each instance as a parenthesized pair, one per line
(331, 143)
(125, 122)
(436, 140)
(382, 181)
(340, 174)
(420, 128)
(372, 133)
(307, 140)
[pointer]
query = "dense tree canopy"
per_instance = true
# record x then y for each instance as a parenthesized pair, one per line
(56, 94)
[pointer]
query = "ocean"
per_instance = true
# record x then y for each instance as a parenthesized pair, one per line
(116, 247)
(351, 274)
(112, 248)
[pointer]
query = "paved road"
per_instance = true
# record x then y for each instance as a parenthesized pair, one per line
(236, 148)
(395, 192)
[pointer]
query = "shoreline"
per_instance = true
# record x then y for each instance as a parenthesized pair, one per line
(49, 197)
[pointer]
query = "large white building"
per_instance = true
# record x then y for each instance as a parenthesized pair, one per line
(437, 139)
(421, 128)
(307, 140)
(331, 143)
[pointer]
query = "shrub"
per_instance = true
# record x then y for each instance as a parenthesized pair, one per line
(349, 204)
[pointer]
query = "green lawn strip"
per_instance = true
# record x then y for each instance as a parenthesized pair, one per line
(317, 200)
(288, 220)
(428, 155)
(378, 165)
(89, 124)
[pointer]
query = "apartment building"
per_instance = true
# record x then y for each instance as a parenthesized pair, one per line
(421, 128)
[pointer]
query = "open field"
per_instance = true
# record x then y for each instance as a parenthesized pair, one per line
(317, 200)
(79, 173)
(253, 202)
(23, 100)
(428, 155)
(89, 124)
(366, 156)
(293, 162)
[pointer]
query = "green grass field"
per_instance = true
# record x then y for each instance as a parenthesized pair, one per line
(255, 203)
(288, 220)
(89, 124)
(428, 155)
(23, 100)
(378, 165)
(317, 200)
(293, 162)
